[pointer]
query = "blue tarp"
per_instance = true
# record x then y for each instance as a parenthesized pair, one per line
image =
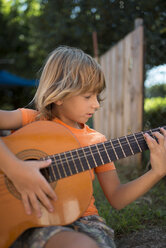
(8, 79)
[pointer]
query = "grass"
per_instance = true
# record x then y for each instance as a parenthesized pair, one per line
(148, 210)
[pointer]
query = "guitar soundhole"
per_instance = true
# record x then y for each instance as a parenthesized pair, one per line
(12, 189)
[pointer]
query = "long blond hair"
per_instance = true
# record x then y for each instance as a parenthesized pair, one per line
(67, 71)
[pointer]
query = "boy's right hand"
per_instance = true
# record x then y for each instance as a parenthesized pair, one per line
(32, 185)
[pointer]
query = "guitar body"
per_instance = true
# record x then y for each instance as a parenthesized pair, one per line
(34, 141)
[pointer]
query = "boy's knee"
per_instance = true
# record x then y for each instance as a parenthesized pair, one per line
(71, 240)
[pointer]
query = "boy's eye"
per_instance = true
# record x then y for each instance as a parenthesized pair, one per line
(87, 97)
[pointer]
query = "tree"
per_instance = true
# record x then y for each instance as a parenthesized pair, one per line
(36, 27)
(14, 42)
(30, 29)
(72, 23)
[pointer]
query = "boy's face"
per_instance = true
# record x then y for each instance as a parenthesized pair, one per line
(77, 109)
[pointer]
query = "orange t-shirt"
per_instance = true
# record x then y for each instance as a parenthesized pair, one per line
(86, 136)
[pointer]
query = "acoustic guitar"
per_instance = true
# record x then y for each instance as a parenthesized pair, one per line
(69, 173)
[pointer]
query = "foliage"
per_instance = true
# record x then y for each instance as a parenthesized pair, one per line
(158, 90)
(155, 112)
(32, 28)
(65, 22)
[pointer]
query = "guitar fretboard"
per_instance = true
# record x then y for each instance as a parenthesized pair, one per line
(85, 158)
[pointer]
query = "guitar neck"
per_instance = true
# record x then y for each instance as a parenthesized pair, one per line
(85, 158)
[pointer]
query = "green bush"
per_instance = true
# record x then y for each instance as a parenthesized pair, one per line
(157, 90)
(154, 112)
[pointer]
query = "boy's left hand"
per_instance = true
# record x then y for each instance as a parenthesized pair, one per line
(157, 152)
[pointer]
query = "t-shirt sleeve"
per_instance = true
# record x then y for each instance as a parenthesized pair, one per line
(28, 115)
(105, 167)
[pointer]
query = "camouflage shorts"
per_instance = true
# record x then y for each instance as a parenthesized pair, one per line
(93, 226)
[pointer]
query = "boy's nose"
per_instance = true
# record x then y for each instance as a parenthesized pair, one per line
(96, 104)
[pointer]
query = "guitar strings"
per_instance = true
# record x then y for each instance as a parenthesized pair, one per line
(120, 145)
(88, 153)
(134, 140)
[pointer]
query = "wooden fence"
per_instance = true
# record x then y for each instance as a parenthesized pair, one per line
(121, 113)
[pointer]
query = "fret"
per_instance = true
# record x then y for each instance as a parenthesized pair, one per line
(96, 156)
(53, 173)
(129, 146)
(111, 151)
(150, 132)
(68, 164)
(133, 143)
(103, 153)
(56, 168)
(75, 166)
(65, 166)
(124, 155)
(137, 142)
(90, 156)
(60, 166)
(71, 163)
(126, 146)
(80, 161)
(116, 155)
(141, 141)
(104, 145)
(93, 156)
(86, 158)
(98, 153)
(77, 161)
(117, 148)
(88, 162)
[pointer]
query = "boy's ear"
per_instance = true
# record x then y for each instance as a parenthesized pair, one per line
(59, 102)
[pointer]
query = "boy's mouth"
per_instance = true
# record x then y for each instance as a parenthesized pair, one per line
(90, 114)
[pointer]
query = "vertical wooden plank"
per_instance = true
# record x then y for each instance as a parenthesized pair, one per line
(113, 93)
(119, 88)
(108, 95)
(127, 82)
(137, 75)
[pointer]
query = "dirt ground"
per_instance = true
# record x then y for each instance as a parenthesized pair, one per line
(152, 237)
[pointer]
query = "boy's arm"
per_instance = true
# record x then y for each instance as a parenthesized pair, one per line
(119, 195)
(32, 189)
(10, 119)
